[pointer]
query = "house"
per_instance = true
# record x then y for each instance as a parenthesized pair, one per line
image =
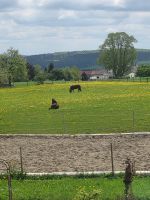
(131, 75)
(99, 74)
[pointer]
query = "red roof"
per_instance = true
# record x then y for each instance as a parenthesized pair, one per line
(94, 72)
(88, 72)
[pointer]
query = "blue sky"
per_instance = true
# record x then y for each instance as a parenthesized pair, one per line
(45, 26)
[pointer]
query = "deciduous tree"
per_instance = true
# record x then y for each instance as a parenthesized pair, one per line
(31, 71)
(118, 53)
(143, 71)
(84, 76)
(75, 73)
(14, 65)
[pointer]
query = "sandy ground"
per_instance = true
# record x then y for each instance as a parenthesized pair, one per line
(46, 153)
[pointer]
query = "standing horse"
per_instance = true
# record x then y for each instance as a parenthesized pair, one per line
(72, 87)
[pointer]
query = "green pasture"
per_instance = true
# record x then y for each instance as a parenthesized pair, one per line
(67, 188)
(101, 107)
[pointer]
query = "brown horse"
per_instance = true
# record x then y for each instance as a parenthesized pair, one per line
(54, 104)
(72, 87)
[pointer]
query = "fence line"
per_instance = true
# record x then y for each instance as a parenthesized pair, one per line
(111, 148)
(76, 122)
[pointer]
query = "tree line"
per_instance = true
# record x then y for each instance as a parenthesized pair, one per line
(15, 68)
(117, 53)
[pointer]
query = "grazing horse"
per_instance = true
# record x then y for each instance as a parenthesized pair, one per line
(72, 87)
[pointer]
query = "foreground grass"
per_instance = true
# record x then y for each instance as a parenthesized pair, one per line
(101, 107)
(67, 188)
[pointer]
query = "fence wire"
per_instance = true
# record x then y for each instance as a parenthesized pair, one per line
(70, 122)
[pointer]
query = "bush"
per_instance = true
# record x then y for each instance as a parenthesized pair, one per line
(40, 78)
(143, 71)
(87, 194)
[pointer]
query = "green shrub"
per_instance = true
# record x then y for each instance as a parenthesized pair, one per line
(87, 194)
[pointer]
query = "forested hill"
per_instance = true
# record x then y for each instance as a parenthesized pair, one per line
(81, 59)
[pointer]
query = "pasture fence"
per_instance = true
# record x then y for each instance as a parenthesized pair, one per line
(124, 79)
(22, 160)
(101, 122)
(110, 149)
(92, 121)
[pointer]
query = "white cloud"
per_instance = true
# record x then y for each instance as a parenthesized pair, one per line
(67, 14)
(31, 24)
(119, 2)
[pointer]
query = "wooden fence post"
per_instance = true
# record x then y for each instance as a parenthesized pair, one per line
(112, 159)
(9, 183)
(21, 161)
(63, 121)
(133, 119)
(8, 177)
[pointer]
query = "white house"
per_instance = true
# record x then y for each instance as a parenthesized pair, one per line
(100, 74)
(131, 75)
(100, 77)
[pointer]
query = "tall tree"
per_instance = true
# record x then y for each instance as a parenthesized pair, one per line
(14, 65)
(84, 76)
(57, 74)
(67, 74)
(3, 70)
(3, 76)
(31, 71)
(49, 71)
(75, 73)
(50, 67)
(40, 76)
(118, 53)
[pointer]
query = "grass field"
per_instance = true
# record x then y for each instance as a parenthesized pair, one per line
(101, 107)
(67, 188)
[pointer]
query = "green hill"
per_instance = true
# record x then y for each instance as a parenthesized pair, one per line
(82, 59)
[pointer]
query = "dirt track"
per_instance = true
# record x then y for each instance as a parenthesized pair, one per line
(75, 153)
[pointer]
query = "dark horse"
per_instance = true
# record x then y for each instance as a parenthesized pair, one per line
(54, 104)
(72, 87)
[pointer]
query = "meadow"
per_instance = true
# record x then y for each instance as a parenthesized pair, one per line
(101, 107)
(66, 188)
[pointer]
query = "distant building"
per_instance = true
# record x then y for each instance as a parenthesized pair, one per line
(99, 74)
(131, 75)
(133, 71)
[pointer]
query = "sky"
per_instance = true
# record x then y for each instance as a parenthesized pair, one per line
(47, 26)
